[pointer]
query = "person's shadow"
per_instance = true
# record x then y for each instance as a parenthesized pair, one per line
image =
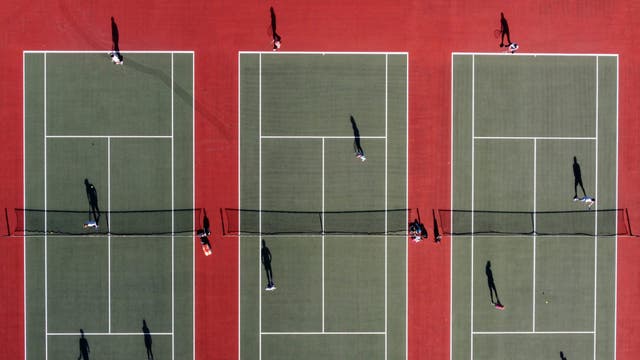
(562, 356)
(115, 36)
(356, 137)
(265, 255)
(276, 37)
(84, 347)
(492, 286)
(504, 31)
(147, 339)
(577, 175)
(92, 196)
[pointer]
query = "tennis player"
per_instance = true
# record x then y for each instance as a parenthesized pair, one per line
(90, 224)
(587, 200)
(116, 57)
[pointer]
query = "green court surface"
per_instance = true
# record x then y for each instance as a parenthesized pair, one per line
(128, 130)
(517, 124)
(338, 295)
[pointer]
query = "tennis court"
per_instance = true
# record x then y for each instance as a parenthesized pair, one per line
(519, 126)
(128, 132)
(330, 220)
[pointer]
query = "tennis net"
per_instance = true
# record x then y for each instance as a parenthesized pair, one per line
(126, 222)
(274, 222)
(601, 222)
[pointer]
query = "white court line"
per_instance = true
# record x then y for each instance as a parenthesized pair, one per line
(537, 138)
(173, 274)
(110, 136)
(109, 228)
(386, 173)
(326, 333)
(239, 217)
(323, 228)
(406, 201)
(451, 221)
(108, 334)
(277, 53)
(535, 172)
(24, 202)
(46, 276)
(317, 137)
(259, 203)
(615, 292)
(106, 52)
(473, 164)
(530, 54)
(323, 139)
(344, 237)
(531, 332)
(193, 205)
(534, 138)
(595, 238)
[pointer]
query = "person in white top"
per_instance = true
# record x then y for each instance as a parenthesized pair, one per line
(90, 224)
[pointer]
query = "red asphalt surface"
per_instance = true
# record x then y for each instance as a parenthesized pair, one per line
(216, 30)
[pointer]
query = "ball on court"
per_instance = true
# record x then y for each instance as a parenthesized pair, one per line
(546, 301)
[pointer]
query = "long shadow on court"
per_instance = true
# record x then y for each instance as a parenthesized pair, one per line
(147, 339)
(115, 36)
(492, 286)
(84, 347)
(200, 108)
(356, 137)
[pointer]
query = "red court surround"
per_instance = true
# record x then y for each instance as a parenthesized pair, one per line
(217, 30)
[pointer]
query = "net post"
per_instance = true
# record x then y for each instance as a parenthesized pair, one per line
(6, 217)
(224, 232)
(626, 212)
(321, 223)
(436, 230)
(533, 223)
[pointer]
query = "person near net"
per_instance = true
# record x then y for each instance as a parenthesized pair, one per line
(276, 37)
(266, 261)
(92, 196)
(577, 176)
(588, 201)
(417, 230)
(204, 242)
(90, 224)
